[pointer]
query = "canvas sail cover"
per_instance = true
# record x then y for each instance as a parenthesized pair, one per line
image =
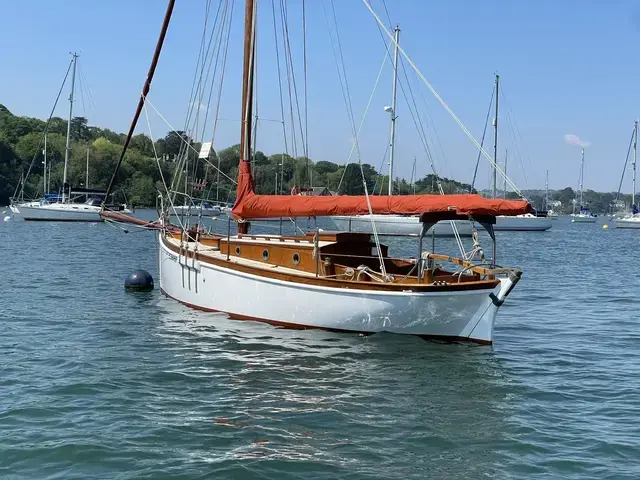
(249, 205)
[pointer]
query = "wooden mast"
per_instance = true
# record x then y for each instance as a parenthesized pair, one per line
(247, 104)
(143, 95)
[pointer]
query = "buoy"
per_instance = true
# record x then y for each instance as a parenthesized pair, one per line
(605, 227)
(4, 212)
(7, 218)
(140, 280)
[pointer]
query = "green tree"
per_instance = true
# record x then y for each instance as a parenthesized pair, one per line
(79, 129)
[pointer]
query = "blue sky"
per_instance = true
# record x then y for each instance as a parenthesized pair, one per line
(566, 67)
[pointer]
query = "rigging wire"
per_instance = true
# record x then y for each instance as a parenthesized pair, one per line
(46, 130)
(287, 61)
(515, 135)
(626, 161)
(352, 122)
(484, 133)
(306, 107)
(442, 102)
(284, 128)
(355, 144)
(185, 140)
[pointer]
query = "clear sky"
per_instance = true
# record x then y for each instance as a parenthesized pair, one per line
(566, 67)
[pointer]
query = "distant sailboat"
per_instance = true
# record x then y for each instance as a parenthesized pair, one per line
(550, 213)
(632, 220)
(584, 215)
(60, 207)
(528, 222)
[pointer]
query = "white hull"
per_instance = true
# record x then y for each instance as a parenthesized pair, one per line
(462, 315)
(630, 222)
(58, 212)
(581, 218)
(399, 225)
(195, 211)
(522, 223)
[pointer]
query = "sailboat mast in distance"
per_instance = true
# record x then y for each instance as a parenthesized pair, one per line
(392, 141)
(635, 158)
(546, 190)
(495, 141)
(67, 149)
(581, 176)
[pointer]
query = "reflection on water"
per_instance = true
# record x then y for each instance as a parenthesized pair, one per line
(351, 402)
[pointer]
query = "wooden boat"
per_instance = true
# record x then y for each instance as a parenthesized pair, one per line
(340, 281)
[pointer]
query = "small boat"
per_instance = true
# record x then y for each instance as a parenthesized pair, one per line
(632, 219)
(205, 208)
(584, 215)
(528, 222)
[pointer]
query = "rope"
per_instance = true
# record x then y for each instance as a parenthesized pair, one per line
(284, 128)
(352, 122)
(626, 161)
(46, 130)
(364, 116)
(184, 140)
(442, 102)
(484, 133)
(155, 154)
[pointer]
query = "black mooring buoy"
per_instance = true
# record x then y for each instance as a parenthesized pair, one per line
(140, 280)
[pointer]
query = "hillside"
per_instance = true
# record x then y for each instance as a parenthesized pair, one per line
(139, 179)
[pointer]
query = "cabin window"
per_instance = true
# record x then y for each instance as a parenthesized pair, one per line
(238, 251)
(296, 258)
(265, 254)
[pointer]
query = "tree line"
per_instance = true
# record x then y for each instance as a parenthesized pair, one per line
(140, 177)
(147, 163)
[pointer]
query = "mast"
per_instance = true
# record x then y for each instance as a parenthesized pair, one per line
(44, 178)
(581, 177)
(635, 158)
(245, 181)
(546, 190)
(67, 150)
(393, 109)
(506, 153)
(86, 182)
(495, 141)
(143, 95)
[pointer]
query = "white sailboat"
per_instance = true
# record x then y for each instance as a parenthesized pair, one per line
(632, 220)
(520, 223)
(64, 207)
(398, 224)
(584, 215)
(65, 210)
(336, 281)
(551, 215)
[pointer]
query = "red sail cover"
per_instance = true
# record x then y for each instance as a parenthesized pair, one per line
(268, 206)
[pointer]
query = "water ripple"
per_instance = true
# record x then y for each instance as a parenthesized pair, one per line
(97, 383)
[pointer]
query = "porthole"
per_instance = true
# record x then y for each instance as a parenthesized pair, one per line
(238, 251)
(296, 258)
(265, 254)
